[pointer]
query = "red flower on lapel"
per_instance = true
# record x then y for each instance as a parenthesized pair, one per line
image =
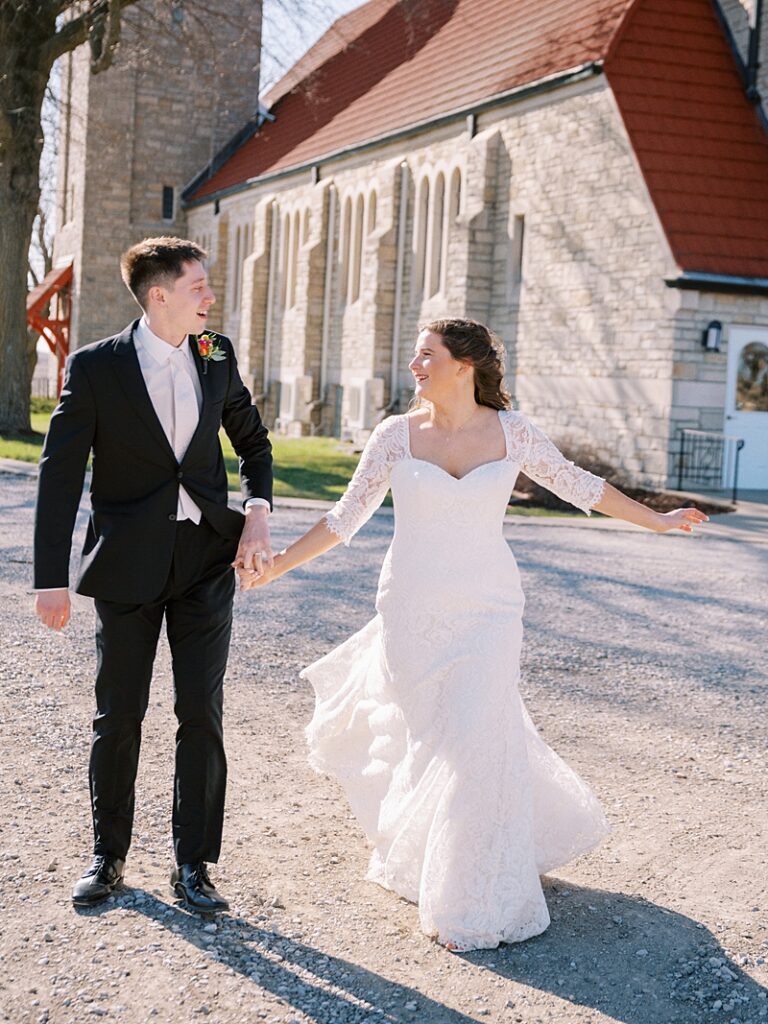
(209, 349)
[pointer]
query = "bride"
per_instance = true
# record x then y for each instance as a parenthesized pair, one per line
(418, 715)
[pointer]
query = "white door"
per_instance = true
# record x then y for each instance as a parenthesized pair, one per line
(746, 406)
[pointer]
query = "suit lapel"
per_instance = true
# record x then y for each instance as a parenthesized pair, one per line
(131, 379)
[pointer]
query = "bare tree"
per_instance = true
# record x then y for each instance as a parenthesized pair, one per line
(33, 34)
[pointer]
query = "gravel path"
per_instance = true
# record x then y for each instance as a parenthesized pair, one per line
(644, 667)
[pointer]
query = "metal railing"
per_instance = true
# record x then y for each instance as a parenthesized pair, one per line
(708, 460)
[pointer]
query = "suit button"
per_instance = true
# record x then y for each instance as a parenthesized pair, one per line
(180, 475)
(172, 517)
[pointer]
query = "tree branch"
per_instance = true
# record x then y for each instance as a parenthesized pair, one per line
(73, 33)
(104, 37)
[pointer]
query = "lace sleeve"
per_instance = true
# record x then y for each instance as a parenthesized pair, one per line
(544, 463)
(370, 482)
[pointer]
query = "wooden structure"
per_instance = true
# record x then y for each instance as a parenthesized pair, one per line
(53, 296)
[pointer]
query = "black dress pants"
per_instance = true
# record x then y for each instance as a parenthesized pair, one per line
(197, 604)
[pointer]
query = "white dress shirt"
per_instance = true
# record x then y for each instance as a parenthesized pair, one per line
(158, 361)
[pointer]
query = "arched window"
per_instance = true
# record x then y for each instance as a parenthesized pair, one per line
(435, 254)
(285, 246)
(307, 227)
(293, 271)
(450, 218)
(420, 221)
(371, 218)
(345, 231)
(236, 268)
(454, 202)
(357, 250)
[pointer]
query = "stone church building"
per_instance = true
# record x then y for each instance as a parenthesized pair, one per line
(589, 177)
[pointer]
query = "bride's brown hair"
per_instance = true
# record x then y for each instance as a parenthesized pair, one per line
(473, 343)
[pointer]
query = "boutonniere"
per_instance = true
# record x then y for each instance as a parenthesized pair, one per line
(209, 349)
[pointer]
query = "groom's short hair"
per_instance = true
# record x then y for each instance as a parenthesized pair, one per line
(157, 261)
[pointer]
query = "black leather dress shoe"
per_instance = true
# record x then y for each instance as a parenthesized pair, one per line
(193, 885)
(99, 881)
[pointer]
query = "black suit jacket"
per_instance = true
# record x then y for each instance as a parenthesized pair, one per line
(105, 409)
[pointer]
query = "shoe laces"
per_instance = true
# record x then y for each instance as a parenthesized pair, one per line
(100, 861)
(201, 874)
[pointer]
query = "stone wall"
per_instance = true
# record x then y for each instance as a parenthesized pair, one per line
(601, 353)
(592, 356)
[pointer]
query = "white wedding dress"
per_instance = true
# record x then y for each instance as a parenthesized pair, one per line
(418, 715)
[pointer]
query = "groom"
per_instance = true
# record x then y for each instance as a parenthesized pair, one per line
(147, 405)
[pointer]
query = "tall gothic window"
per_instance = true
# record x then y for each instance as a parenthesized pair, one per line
(435, 254)
(293, 269)
(345, 231)
(420, 227)
(236, 261)
(356, 260)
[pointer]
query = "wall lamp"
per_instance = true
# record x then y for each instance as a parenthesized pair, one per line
(712, 336)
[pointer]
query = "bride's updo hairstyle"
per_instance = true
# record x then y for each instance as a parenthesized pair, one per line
(472, 342)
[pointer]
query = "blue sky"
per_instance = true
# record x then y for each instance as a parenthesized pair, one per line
(290, 28)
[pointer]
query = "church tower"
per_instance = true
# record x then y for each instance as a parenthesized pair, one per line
(185, 79)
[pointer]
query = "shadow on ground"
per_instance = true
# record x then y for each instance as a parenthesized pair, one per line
(297, 974)
(630, 959)
(633, 960)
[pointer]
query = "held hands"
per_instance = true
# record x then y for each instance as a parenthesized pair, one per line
(254, 552)
(250, 579)
(680, 519)
(53, 608)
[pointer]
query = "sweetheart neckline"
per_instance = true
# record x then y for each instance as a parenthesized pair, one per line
(457, 479)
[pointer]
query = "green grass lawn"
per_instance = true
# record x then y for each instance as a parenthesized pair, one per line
(304, 467)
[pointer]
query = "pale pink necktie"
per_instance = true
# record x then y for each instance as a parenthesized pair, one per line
(185, 418)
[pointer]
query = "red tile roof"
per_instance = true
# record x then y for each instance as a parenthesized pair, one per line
(698, 141)
(394, 63)
(410, 60)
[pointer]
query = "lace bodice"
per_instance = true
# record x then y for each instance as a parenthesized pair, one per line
(527, 447)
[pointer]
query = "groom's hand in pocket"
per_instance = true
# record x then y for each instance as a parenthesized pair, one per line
(254, 552)
(53, 607)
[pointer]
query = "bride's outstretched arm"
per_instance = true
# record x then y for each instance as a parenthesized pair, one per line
(315, 542)
(365, 492)
(545, 464)
(614, 503)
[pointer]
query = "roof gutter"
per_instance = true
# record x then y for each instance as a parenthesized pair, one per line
(747, 71)
(753, 56)
(516, 95)
(692, 280)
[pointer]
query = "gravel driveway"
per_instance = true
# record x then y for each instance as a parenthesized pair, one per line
(645, 667)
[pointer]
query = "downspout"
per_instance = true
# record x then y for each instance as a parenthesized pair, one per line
(753, 56)
(394, 396)
(328, 285)
(270, 302)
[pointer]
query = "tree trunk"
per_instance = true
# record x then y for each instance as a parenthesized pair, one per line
(15, 233)
(22, 88)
